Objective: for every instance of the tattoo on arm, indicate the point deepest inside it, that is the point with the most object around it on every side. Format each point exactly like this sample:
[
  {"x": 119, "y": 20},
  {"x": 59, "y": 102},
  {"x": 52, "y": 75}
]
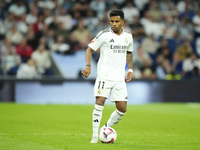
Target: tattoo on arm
[{"x": 129, "y": 60}]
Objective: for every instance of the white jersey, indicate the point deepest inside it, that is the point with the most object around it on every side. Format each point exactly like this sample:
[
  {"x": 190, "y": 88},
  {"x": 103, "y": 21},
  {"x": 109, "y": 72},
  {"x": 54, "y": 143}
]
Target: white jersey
[{"x": 113, "y": 50}]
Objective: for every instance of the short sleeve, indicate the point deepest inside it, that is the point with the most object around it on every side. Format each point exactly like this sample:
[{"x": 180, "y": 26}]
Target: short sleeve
[
  {"x": 96, "y": 42},
  {"x": 130, "y": 46}
]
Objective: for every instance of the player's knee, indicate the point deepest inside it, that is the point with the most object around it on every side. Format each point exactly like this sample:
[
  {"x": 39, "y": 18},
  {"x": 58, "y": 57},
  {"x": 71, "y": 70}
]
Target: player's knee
[
  {"x": 121, "y": 106},
  {"x": 100, "y": 101},
  {"x": 123, "y": 110}
]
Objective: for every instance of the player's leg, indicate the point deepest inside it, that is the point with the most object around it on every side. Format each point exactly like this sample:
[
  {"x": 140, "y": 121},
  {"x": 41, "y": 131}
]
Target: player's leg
[
  {"x": 119, "y": 96},
  {"x": 97, "y": 115},
  {"x": 117, "y": 115},
  {"x": 101, "y": 91}
]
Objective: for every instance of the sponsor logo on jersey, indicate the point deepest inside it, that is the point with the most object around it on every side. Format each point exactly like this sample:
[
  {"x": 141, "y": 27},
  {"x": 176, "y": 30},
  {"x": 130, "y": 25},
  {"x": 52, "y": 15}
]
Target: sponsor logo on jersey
[
  {"x": 118, "y": 47},
  {"x": 126, "y": 40},
  {"x": 93, "y": 40},
  {"x": 111, "y": 40}
]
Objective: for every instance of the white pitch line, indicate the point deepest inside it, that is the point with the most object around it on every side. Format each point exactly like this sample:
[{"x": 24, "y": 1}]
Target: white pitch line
[{"x": 42, "y": 134}]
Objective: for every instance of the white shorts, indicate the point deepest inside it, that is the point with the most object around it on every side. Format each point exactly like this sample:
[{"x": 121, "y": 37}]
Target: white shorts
[{"x": 116, "y": 90}]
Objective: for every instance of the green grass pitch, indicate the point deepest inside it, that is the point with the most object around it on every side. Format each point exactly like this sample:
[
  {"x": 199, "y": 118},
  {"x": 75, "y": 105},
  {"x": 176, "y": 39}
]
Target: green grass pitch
[{"x": 69, "y": 127}]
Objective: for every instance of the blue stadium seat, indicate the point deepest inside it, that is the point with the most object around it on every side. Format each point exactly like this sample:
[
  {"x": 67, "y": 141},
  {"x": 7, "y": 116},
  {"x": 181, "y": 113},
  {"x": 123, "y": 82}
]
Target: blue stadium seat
[{"x": 172, "y": 45}]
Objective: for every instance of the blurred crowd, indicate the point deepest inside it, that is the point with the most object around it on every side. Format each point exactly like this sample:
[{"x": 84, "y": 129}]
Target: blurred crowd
[{"x": 166, "y": 34}]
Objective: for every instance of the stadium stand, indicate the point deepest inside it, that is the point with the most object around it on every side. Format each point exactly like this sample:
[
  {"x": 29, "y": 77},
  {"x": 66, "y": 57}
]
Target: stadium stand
[{"x": 41, "y": 22}]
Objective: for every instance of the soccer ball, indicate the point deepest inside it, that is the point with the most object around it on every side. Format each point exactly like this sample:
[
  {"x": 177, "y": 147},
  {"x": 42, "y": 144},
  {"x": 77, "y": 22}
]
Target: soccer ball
[{"x": 107, "y": 135}]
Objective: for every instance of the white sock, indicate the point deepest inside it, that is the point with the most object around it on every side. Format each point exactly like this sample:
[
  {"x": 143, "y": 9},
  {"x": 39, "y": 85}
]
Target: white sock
[
  {"x": 115, "y": 117},
  {"x": 97, "y": 115}
]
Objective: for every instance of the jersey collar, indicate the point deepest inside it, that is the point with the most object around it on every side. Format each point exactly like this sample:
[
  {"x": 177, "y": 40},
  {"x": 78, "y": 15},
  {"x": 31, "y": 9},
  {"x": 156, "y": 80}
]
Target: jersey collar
[{"x": 114, "y": 32}]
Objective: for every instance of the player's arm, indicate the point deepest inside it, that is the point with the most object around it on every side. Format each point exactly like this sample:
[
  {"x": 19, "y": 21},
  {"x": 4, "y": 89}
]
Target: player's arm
[
  {"x": 88, "y": 55},
  {"x": 129, "y": 60}
]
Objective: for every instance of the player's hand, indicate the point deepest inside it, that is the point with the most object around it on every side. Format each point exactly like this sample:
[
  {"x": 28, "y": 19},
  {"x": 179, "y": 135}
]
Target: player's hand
[
  {"x": 129, "y": 77},
  {"x": 86, "y": 72}
]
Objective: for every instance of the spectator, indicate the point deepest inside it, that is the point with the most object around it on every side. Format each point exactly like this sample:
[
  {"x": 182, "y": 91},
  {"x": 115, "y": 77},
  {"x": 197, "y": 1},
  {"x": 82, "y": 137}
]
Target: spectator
[
  {"x": 138, "y": 31},
  {"x": 2, "y": 11},
  {"x": 22, "y": 27},
  {"x": 193, "y": 74},
  {"x": 166, "y": 5},
  {"x": 91, "y": 22},
  {"x": 27, "y": 70},
  {"x": 18, "y": 9},
  {"x": 24, "y": 50},
  {"x": 102, "y": 24},
  {"x": 46, "y": 13},
  {"x": 81, "y": 6},
  {"x": 181, "y": 5},
  {"x": 196, "y": 22},
  {"x": 50, "y": 38},
  {"x": 184, "y": 50},
  {"x": 52, "y": 22},
  {"x": 118, "y": 2},
  {"x": 146, "y": 19},
  {"x": 82, "y": 35},
  {"x": 153, "y": 27},
  {"x": 163, "y": 44},
  {"x": 66, "y": 19},
  {"x": 196, "y": 6},
  {"x": 191, "y": 62},
  {"x": 31, "y": 18},
  {"x": 130, "y": 12},
  {"x": 39, "y": 24},
  {"x": 43, "y": 41},
  {"x": 9, "y": 21},
  {"x": 155, "y": 12},
  {"x": 5, "y": 46},
  {"x": 164, "y": 50},
  {"x": 76, "y": 18},
  {"x": 62, "y": 31},
  {"x": 58, "y": 6},
  {"x": 147, "y": 73},
  {"x": 163, "y": 69},
  {"x": 176, "y": 64},
  {"x": 141, "y": 60},
  {"x": 42, "y": 59},
  {"x": 141, "y": 4},
  {"x": 46, "y": 4},
  {"x": 11, "y": 62},
  {"x": 100, "y": 9},
  {"x": 31, "y": 38},
  {"x": 14, "y": 36},
  {"x": 158, "y": 61},
  {"x": 185, "y": 30},
  {"x": 68, "y": 4},
  {"x": 60, "y": 46},
  {"x": 126, "y": 26},
  {"x": 187, "y": 13},
  {"x": 40, "y": 37},
  {"x": 74, "y": 45},
  {"x": 150, "y": 45},
  {"x": 170, "y": 28}
]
